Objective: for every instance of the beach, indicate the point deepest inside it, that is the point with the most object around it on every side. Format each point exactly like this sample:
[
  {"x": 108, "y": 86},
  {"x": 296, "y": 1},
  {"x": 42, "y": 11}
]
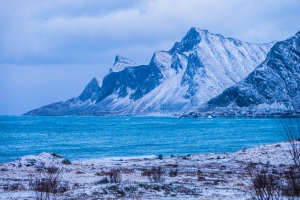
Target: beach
[{"x": 200, "y": 176}]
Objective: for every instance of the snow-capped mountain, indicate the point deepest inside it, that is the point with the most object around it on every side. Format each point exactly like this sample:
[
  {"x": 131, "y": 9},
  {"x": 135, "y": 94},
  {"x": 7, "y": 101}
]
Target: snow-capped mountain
[
  {"x": 272, "y": 89},
  {"x": 196, "y": 69}
]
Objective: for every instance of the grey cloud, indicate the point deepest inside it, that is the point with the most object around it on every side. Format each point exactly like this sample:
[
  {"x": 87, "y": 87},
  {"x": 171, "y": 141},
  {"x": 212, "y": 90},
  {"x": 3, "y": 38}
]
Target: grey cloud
[{"x": 90, "y": 33}]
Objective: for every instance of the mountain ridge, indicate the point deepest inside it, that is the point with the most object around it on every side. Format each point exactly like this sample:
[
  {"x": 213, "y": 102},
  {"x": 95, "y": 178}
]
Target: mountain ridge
[{"x": 194, "y": 70}]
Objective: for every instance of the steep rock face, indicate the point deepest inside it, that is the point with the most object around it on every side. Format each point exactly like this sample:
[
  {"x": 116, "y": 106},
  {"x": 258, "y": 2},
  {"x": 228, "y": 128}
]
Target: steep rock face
[
  {"x": 132, "y": 81},
  {"x": 91, "y": 91},
  {"x": 196, "y": 69},
  {"x": 273, "y": 88}
]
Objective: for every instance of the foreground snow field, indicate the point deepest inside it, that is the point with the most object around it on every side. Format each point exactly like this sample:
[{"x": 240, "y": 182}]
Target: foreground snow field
[{"x": 205, "y": 176}]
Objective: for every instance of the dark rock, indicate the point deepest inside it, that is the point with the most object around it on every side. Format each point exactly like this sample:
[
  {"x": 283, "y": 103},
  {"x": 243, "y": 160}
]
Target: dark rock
[
  {"x": 61, "y": 189},
  {"x": 40, "y": 165},
  {"x": 56, "y": 155},
  {"x": 184, "y": 158},
  {"x": 31, "y": 161},
  {"x": 104, "y": 180},
  {"x": 66, "y": 162}
]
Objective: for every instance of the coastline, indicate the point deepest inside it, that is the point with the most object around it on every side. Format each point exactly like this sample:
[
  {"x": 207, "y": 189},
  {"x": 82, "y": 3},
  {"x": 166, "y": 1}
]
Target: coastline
[{"x": 199, "y": 176}]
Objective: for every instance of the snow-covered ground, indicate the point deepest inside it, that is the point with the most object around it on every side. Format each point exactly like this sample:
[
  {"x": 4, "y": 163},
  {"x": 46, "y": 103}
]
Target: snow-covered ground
[{"x": 204, "y": 176}]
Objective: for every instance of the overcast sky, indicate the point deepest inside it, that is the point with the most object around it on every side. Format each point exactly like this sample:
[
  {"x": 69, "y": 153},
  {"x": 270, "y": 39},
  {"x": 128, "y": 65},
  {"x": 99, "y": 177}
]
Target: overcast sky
[{"x": 50, "y": 50}]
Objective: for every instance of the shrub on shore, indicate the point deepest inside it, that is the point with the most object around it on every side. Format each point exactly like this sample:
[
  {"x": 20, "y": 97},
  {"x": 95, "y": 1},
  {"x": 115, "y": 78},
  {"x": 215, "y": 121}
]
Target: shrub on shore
[
  {"x": 155, "y": 174},
  {"x": 46, "y": 182},
  {"x": 268, "y": 184},
  {"x": 115, "y": 175},
  {"x": 265, "y": 184}
]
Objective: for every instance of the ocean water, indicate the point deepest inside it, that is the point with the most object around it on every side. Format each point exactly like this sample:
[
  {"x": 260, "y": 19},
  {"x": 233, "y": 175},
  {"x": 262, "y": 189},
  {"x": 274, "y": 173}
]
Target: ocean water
[{"x": 82, "y": 138}]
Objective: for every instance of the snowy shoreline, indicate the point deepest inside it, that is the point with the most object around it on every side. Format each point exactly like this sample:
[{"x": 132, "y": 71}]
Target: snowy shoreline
[{"x": 201, "y": 176}]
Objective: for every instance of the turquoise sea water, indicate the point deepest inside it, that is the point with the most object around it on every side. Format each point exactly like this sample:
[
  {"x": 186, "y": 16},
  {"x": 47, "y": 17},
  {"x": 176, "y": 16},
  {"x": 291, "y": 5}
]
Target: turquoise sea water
[{"x": 80, "y": 138}]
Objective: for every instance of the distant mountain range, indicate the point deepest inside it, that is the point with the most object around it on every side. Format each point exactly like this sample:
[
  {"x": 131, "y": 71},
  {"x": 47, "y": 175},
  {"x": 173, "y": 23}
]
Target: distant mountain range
[{"x": 204, "y": 74}]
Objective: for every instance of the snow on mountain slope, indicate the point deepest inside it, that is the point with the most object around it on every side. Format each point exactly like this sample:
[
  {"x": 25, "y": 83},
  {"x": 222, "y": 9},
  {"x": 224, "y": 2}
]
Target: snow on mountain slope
[
  {"x": 272, "y": 89},
  {"x": 121, "y": 63},
  {"x": 196, "y": 69},
  {"x": 217, "y": 63}
]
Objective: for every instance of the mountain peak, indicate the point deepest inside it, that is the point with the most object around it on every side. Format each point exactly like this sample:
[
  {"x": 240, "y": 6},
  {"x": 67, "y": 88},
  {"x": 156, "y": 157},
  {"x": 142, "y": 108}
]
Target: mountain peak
[
  {"x": 199, "y": 30},
  {"x": 121, "y": 63},
  {"x": 91, "y": 90},
  {"x": 193, "y": 38},
  {"x": 97, "y": 81},
  {"x": 121, "y": 59},
  {"x": 188, "y": 42}
]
